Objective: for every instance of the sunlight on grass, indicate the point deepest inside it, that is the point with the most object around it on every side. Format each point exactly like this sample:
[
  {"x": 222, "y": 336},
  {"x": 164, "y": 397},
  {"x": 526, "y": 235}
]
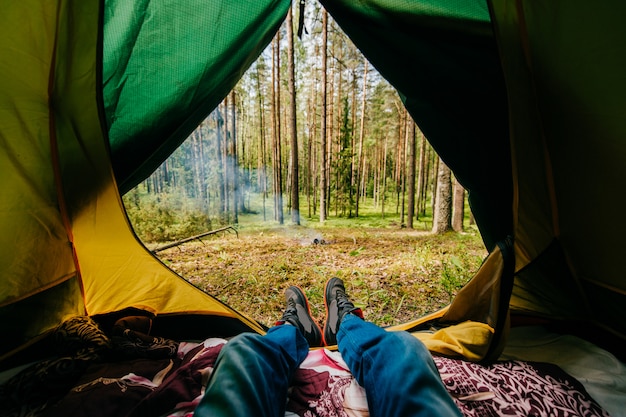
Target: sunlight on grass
[{"x": 393, "y": 273}]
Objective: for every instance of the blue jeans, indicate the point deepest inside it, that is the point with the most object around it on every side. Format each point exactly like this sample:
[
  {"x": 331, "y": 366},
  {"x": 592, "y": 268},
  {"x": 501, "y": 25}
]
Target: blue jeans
[
  {"x": 253, "y": 372},
  {"x": 397, "y": 371}
]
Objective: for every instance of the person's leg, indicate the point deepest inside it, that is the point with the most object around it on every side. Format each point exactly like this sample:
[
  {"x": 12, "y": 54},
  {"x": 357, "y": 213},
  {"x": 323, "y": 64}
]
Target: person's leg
[
  {"x": 252, "y": 374},
  {"x": 397, "y": 371},
  {"x": 399, "y": 375}
]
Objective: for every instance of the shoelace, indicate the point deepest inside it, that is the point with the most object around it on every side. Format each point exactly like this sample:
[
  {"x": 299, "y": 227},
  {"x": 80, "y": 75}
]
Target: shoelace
[
  {"x": 343, "y": 301},
  {"x": 291, "y": 309}
]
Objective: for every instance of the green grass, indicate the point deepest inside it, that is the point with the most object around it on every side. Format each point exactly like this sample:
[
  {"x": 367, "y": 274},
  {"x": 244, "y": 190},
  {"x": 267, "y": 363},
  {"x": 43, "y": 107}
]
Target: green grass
[{"x": 393, "y": 273}]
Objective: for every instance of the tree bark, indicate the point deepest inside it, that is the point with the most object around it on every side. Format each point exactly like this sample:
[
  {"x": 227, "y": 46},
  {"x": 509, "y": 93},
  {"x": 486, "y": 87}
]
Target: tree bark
[
  {"x": 295, "y": 182},
  {"x": 459, "y": 207},
  {"x": 234, "y": 168},
  {"x": 276, "y": 140},
  {"x": 312, "y": 135},
  {"x": 261, "y": 159},
  {"x": 411, "y": 197},
  {"x": 220, "y": 163},
  {"x": 384, "y": 180},
  {"x": 226, "y": 159},
  {"x": 430, "y": 178},
  {"x": 442, "y": 219},
  {"x": 422, "y": 178},
  {"x": 323, "y": 171}
]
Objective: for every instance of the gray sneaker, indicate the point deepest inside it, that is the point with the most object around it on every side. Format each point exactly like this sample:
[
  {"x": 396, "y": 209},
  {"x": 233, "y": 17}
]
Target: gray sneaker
[
  {"x": 298, "y": 313},
  {"x": 337, "y": 306}
]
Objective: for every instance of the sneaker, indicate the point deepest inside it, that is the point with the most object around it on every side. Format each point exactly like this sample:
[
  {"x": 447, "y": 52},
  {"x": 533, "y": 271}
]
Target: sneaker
[
  {"x": 298, "y": 314},
  {"x": 337, "y": 306}
]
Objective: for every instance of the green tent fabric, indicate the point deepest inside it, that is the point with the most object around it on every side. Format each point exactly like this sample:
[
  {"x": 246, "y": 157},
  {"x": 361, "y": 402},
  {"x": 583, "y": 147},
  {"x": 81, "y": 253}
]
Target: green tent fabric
[
  {"x": 523, "y": 101},
  {"x": 444, "y": 63},
  {"x": 564, "y": 67},
  {"x": 167, "y": 65}
]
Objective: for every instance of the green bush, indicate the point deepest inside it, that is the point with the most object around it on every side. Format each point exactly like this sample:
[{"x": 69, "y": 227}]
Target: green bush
[{"x": 165, "y": 219}]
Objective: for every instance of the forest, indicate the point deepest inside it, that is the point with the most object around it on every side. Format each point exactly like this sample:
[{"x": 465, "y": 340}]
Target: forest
[{"x": 311, "y": 131}]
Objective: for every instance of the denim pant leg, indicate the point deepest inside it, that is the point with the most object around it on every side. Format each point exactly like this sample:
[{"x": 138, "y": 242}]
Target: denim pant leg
[
  {"x": 397, "y": 371},
  {"x": 252, "y": 374}
]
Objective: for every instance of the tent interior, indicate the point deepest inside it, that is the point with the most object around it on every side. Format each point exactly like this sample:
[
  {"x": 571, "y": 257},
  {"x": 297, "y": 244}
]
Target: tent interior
[{"x": 523, "y": 100}]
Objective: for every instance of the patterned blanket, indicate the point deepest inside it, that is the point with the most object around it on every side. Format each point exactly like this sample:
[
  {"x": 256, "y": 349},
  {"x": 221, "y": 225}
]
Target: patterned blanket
[
  {"x": 511, "y": 388},
  {"x": 171, "y": 385}
]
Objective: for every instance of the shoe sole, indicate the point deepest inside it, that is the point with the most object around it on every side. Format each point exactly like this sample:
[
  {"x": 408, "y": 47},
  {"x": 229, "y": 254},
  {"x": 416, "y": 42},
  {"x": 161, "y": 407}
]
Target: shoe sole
[
  {"x": 327, "y": 312},
  {"x": 308, "y": 311}
]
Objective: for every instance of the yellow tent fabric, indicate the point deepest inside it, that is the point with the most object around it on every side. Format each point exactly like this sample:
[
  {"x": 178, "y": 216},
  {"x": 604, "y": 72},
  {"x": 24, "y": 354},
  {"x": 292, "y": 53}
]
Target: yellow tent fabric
[
  {"x": 39, "y": 272},
  {"x": 464, "y": 340},
  {"x": 67, "y": 245}
]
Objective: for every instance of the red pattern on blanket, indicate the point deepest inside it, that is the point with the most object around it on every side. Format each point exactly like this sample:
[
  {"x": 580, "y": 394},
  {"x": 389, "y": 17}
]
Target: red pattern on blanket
[
  {"x": 515, "y": 388},
  {"x": 322, "y": 387}
]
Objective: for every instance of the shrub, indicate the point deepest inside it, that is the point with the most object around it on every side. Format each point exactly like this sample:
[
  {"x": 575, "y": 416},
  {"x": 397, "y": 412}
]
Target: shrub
[{"x": 163, "y": 219}]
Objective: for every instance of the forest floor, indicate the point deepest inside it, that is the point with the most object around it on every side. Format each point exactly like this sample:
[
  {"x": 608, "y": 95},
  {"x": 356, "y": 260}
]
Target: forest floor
[{"x": 394, "y": 274}]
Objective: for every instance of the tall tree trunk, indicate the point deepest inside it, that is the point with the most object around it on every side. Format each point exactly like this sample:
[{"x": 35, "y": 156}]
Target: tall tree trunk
[
  {"x": 338, "y": 125},
  {"x": 234, "y": 168},
  {"x": 243, "y": 155},
  {"x": 312, "y": 134},
  {"x": 203, "y": 169},
  {"x": 220, "y": 163},
  {"x": 364, "y": 177},
  {"x": 458, "y": 206},
  {"x": 442, "y": 219},
  {"x": 400, "y": 160},
  {"x": 274, "y": 134},
  {"x": 377, "y": 167},
  {"x": 421, "y": 178},
  {"x": 166, "y": 178},
  {"x": 360, "y": 164},
  {"x": 411, "y": 198},
  {"x": 243, "y": 166},
  {"x": 277, "y": 163},
  {"x": 261, "y": 159},
  {"x": 403, "y": 172},
  {"x": 196, "y": 162},
  {"x": 330, "y": 131},
  {"x": 295, "y": 182},
  {"x": 397, "y": 161},
  {"x": 226, "y": 160},
  {"x": 323, "y": 171},
  {"x": 384, "y": 180},
  {"x": 435, "y": 183},
  {"x": 309, "y": 174},
  {"x": 353, "y": 161}
]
